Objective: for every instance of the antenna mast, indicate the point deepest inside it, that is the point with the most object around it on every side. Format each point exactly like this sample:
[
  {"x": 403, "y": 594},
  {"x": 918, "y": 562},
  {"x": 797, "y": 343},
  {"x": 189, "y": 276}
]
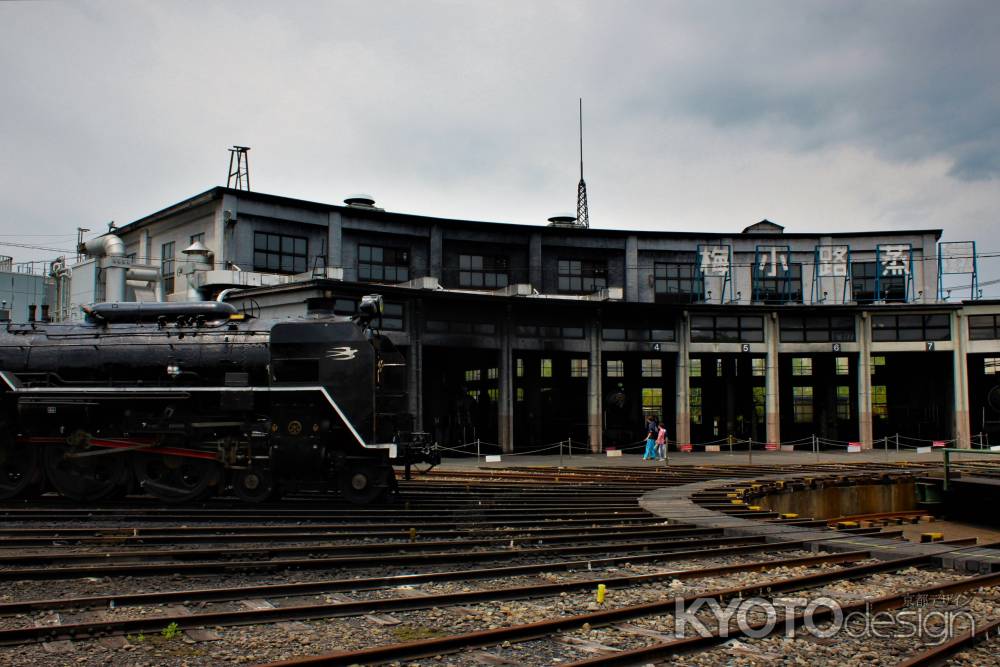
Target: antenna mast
[
  {"x": 239, "y": 177},
  {"x": 582, "y": 214}
]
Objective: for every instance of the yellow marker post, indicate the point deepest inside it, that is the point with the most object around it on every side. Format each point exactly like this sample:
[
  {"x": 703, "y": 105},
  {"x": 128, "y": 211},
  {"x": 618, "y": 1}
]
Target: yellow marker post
[
  {"x": 601, "y": 590},
  {"x": 413, "y": 534}
]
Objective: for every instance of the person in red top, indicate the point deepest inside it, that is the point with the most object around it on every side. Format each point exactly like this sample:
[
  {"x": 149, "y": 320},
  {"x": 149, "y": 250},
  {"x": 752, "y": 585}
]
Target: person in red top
[{"x": 661, "y": 443}]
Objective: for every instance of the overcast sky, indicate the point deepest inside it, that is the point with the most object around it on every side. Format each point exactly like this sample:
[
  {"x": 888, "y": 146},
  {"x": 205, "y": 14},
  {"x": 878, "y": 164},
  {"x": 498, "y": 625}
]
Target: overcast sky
[{"x": 697, "y": 115}]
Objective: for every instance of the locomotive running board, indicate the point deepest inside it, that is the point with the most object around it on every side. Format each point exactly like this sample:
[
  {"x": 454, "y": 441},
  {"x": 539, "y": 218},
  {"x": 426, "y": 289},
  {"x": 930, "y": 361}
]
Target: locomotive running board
[{"x": 17, "y": 387}]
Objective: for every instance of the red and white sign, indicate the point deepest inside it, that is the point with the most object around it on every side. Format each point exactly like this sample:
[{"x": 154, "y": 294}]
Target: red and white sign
[
  {"x": 771, "y": 446},
  {"x": 938, "y": 443},
  {"x": 854, "y": 447},
  {"x": 685, "y": 448}
]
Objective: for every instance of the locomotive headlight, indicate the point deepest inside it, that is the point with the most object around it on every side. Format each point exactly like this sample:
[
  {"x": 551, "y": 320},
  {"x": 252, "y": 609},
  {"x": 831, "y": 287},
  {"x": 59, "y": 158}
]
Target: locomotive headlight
[{"x": 371, "y": 306}]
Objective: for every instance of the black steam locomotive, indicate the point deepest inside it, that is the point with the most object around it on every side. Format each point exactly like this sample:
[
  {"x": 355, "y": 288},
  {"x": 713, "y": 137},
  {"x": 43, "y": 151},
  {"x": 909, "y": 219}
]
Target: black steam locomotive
[{"x": 182, "y": 400}]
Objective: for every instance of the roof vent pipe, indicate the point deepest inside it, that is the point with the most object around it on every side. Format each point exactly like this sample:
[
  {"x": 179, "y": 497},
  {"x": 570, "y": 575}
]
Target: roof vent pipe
[
  {"x": 110, "y": 246},
  {"x": 360, "y": 199}
]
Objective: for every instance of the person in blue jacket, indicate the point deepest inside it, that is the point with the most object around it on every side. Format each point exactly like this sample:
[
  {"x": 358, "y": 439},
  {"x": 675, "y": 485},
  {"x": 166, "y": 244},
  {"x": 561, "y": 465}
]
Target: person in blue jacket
[{"x": 652, "y": 428}]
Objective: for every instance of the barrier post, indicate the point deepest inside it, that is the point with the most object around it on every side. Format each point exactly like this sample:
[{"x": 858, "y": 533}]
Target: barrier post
[
  {"x": 570, "y": 443},
  {"x": 815, "y": 444},
  {"x": 897, "y": 443},
  {"x": 477, "y": 452},
  {"x": 560, "y": 454},
  {"x": 749, "y": 451},
  {"x": 729, "y": 438}
]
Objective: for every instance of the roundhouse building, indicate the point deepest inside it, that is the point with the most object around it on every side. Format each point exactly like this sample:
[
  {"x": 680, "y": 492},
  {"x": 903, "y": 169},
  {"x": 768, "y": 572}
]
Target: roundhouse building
[{"x": 522, "y": 336}]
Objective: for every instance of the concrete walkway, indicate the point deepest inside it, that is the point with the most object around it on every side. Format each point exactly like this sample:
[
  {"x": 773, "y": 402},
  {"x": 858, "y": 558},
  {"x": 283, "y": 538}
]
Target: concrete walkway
[{"x": 706, "y": 458}]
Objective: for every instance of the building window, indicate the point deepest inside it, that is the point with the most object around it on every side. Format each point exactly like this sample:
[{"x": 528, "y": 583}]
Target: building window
[
  {"x": 582, "y": 276},
  {"x": 843, "y": 402},
  {"x": 817, "y": 328},
  {"x": 758, "y": 367},
  {"x": 718, "y": 368},
  {"x": 727, "y": 328},
  {"x": 802, "y": 404},
  {"x": 991, "y": 366},
  {"x": 579, "y": 368},
  {"x": 492, "y": 373},
  {"x": 843, "y": 365},
  {"x": 472, "y": 375},
  {"x": 520, "y": 368},
  {"x": 652, "y": 368},
  {"x": 910, "y": 327},
  {"x": 167, "y": 267},
  {"x": 548, "y": 331},
  {"x": 520, "y": 394},
  {"x": 652, "y": 401},
  {"x": 546, "y": 368},
  {"x": 802, "y": 366},
  {"x": 785, "y": 287},
  {"x": 863, "y": 284},
  {"x": 876, "y": 361},
  {"x": 984, "y": 327},
  {"x": 473, "y": 394},
  {"x": 759, "y": 402},
  {"x": 616, "y": 368},
  {"x": 675, "y": 283},
  {"x": 384, "y": 265},
  {"x": 460, "y": 327},
  {"x": 198, "y": 238},
  {"x": 482, "y": 271},
  {"x": 694, "y": 368},
  {"x": 493, "y": 394},
  {"x": 694, "y": 404},
  {"x": 279, "y": 253},
  {"x": 880, "y": 402}
]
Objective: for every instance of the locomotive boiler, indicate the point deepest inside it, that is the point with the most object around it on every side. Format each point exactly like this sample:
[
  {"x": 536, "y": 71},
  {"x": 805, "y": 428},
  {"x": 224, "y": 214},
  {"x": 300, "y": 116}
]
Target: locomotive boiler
[{"x": 182, "y": 400}]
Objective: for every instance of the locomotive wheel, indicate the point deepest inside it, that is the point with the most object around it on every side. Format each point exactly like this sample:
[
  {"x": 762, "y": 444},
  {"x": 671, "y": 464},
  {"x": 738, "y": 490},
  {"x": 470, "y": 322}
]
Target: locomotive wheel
[
  {"x": 176, "y": 479},
  {"x": 18, "y": 467},
  {"x": 254, "y": 486},
  {"x": 361, "y": 483},
  {"x": 85, "y": 479}
]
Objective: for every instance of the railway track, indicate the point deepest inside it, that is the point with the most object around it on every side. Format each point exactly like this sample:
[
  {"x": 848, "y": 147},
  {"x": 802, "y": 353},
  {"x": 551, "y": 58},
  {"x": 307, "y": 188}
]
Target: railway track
[{"x": 476, "y": 568}]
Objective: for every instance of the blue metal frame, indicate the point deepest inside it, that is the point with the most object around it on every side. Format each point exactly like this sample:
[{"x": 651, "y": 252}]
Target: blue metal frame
[
  {"x": 726, "y": 277},
  {"x": 816, "y": 274},
  {"x": 974, "y": 285},
  {"x": 907, "y": 273},
  {"x": 782, "y": 274}
]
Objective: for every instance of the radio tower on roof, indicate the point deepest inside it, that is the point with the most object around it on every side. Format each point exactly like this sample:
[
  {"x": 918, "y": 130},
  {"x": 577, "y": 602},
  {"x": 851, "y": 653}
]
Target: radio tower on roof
[
  {"x": 239, "y": 168},
  {"x": 582, "y": 215}
]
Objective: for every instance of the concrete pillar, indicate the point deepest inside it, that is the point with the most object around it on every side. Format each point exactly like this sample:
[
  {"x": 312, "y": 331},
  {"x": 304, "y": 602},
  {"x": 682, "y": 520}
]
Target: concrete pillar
[
  {"x": 335, "y": 239},
  {"x": 505, "y": 384},
  {"x": 632, "y": 268},
  {"x": 682, "y": 404},
  {"x": 535, "y": 261},
  {"x": 960, "y": 373},
  {"x": 435, "y": 266},
  {"x": 772, "y": 403},
  {"x": 865, "y": 433},
  {"x": 223, "y": 230},
  {"x": 595, "y": 398},
  {"x": 415, "y": 365}
]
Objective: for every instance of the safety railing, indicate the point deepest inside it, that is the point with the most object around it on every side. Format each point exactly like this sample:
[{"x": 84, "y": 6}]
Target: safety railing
[{"x": 948, "y": 451}]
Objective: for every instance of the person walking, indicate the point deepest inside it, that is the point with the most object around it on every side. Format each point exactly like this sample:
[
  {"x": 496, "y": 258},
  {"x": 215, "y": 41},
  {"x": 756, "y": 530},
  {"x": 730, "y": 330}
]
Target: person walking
[
  {"x": 661, "y": 443},
  {"x": 651, "y": 428}
]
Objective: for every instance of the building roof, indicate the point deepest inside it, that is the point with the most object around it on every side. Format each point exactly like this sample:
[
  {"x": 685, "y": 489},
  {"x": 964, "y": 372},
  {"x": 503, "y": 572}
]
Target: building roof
[{"x": 764, "y": 228}]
